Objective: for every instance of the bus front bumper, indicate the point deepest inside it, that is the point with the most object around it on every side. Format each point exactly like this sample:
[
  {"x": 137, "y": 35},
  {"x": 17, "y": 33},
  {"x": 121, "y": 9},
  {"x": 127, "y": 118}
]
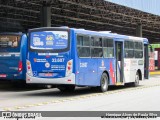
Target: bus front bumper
[{"x": 57, "y": 81}]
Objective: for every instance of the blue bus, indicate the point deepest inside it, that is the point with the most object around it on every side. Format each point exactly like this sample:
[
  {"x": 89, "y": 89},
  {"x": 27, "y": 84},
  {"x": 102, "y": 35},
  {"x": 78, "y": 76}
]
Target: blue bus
[
  {"x": 13, "y": 50},
  {"x": 69, "y": 57}
]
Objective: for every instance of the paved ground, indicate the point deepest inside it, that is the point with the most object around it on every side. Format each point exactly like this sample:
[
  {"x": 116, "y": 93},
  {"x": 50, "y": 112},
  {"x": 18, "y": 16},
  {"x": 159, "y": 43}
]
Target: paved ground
[
  {"x": 156, "y": 72},
  {"x": 146, "y": 97}
]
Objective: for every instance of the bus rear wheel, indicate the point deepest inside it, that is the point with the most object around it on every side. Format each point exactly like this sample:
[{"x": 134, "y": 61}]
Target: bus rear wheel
[
  {"x": 103, "y": 83},
  {"x": 66, "y": 88},
  {"x": 136, "y": 83}
]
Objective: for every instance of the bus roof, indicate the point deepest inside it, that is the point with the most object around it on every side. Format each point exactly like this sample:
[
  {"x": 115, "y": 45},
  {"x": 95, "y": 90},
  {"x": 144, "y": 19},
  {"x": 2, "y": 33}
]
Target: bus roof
[
  {"x": 109, "y": 34},
  {"x": 98, "y": 33}
]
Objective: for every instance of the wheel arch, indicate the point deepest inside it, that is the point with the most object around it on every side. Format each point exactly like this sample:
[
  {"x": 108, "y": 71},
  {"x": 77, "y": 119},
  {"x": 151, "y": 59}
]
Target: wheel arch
[
  {"x": 107, "y": 75},
  {"x": 140, "y": 74}
]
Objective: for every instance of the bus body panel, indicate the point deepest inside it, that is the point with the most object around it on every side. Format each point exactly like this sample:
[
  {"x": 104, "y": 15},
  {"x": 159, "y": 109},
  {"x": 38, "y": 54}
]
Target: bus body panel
[
  {"x": 23, "y": 55},
  {"x": 9, "y": 65},
  {"x": 45, "y": 63},
  {"x": 134, "y": 65},
  {"x": 90, "y": 71},
  {"x": 85, "y": 71},
  {"x": 11, "y": 59},
  {"x": 87, "y": 68},
  {"x": 131, "y": 67},
  {"x": 50, "y": 67},
  {"x": 69, "y": 80}
]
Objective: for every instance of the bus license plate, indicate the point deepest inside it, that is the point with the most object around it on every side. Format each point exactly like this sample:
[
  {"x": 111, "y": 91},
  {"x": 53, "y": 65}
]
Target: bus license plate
[
  {"x": 49, "y": 74},
  {"x": 3, "y": 75}
]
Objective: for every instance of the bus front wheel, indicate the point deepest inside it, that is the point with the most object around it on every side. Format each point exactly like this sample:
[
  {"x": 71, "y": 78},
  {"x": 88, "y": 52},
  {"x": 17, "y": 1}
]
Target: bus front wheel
[
  {"x": 136, "y": 83},
  {"x": 103, "y": 83}
]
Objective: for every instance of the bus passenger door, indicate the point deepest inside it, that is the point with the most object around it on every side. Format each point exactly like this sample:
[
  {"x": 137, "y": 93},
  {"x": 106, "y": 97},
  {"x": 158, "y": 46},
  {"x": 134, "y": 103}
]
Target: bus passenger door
[{"x": 119, "y": 62}]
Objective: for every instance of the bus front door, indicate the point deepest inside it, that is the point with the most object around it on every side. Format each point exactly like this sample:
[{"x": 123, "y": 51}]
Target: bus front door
[{"x": 119, "y": 62}]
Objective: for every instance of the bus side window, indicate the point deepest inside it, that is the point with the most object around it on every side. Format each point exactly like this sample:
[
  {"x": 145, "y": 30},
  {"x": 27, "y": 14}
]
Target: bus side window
[
  {"x": 83, "y": 46},
  {"x": 129, "y": 49},
  {"x": 96, "y": 47},
  {"x": 108, "y": 47},
  {"x": 96, "y": 52},
  {"x": 84, "y": 51},
  {"x": 138, "y": 49},
  {"x": 92, "y": 41},
  {"x": 79, "y": 40}
]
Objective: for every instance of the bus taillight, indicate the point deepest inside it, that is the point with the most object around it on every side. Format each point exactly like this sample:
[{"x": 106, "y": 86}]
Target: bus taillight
[
  {"x": 69, "y": 68},
  {"x": 29, "y": 69},
  {"x": 20, "y": 66}
]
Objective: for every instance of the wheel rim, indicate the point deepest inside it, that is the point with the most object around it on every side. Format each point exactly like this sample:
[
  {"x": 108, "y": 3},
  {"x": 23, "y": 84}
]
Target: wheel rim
[
  {"x": 104, "y": 83},
  {"x": 137, "y": 79}
]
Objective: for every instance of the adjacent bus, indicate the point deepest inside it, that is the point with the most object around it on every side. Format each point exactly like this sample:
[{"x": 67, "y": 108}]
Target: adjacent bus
[
  {"x": 13, "y": 48},
  {"x": 69, "y": 57}
]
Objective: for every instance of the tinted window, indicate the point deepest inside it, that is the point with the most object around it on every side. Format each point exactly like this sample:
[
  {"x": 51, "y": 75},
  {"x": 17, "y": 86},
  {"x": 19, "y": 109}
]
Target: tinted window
[
  {"x": 84, "y": 51},
  {"x": 97, "y": 52},
  {"x": 11, "y": 41},
  {"x": 138, "y": 45},
  {"x": 129, "y": 45},
  {"x": 108, "y": 47},
  {"x": 138, "y": 51},
  {"x": 83, "y": 40},
  {"x": 96, "y": 47},
  {"x": 96, "y": 41},
  {"x": 83, "y": 46},
  {"x": 138, "y": 54},
  {"x": 129, "y": 49},
  {"x": 133, "y": 49},
  {"x": 129, "y": 53}
]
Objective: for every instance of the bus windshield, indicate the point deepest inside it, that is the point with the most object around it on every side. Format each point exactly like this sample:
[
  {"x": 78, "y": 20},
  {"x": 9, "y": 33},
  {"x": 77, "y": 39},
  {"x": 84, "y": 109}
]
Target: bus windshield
[
  {"x": 9, "y": 42},
  {"x": 49, "y": 40}
]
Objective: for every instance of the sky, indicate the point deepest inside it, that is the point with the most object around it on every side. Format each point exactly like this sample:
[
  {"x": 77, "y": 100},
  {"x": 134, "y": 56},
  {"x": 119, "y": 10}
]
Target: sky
[{"x": 150, "y": 6}]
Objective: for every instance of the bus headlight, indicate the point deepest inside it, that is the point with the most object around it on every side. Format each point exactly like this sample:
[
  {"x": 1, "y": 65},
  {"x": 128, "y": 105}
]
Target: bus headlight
[
  {"x": 69, "y": 67},
  {"x": 29, "y": 68}
]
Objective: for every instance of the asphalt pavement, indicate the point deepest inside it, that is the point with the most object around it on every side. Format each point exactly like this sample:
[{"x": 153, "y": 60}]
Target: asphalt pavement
[{"x": 145, "y": 97}]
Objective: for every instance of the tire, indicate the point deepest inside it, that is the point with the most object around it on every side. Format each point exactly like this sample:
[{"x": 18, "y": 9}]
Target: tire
[
  {"x": 136, "y": 83},
  {"x": 66, "y": 88},
  {"x": 103, "y": 83}
]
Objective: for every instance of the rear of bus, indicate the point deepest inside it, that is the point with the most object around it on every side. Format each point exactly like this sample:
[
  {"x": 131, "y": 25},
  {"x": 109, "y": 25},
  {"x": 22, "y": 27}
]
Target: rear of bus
[
  {"x": 49, "y": 57},
  {"x": 11, "y": 63}
]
